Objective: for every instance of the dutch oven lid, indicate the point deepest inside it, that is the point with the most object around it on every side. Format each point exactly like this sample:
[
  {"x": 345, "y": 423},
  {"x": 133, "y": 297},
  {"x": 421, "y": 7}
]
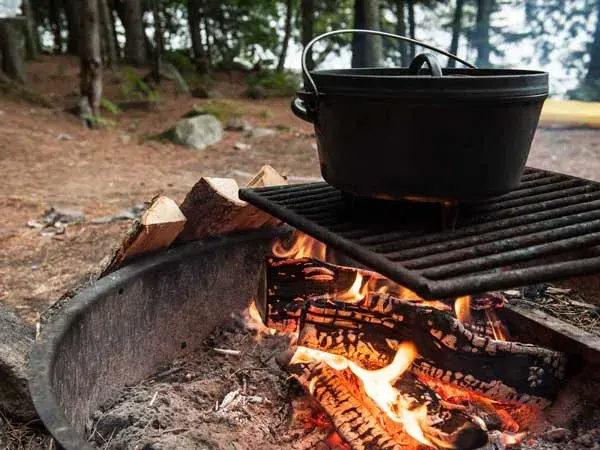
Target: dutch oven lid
[{"x": 416, "y": 81}]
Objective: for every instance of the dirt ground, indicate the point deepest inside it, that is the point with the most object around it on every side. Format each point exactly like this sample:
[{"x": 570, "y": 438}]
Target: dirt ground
[{"x": 48, "y": 159}]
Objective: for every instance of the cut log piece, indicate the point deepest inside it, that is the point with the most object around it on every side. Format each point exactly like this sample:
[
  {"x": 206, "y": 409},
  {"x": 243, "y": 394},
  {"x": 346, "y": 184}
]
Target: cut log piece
[
  {"x": 156, "y": 230},
  {"x": 369, "y": 332},
  {"x": 443, "y": 425},
  {"x": 213, "y": 208},
  {"x": 267, "y": 176}
]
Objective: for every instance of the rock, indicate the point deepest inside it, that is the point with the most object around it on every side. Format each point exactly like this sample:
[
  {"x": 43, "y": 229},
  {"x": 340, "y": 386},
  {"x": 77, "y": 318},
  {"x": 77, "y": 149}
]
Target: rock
[
  {"x": 215, "y": 94},
  {"x": 64, "y": 137},
  {"x": 170, "y": 72},
  {"x": 200, "y": 92},
  {"x": 262, "y": 132},
  {"x": 256, "y": 92},
  {"x": 242, "y": 146},
  {"x": 198, "y": 132},
  {"x": 125, "y": 138},
  {"x": 556, "y": 435},
  {"x": 16, "y": 339},
  {"x": 237, "y": 124}
]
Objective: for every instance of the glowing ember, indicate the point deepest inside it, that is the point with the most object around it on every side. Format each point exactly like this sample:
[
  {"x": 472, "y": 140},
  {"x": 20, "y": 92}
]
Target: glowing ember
[{"x": 462, "y": 308}]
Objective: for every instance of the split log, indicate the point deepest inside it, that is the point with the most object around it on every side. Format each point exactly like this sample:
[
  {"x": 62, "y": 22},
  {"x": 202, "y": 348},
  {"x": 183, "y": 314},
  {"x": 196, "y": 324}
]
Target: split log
[
  {"x": 213, "y": 208},
  {"x": 370, "y": 331},
  {"x": 156, "y": 230},
  {"x": 362, "y": 424}
]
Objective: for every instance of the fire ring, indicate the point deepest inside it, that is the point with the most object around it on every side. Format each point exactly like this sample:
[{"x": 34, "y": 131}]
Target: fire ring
[{"x": 129, "y": 323}]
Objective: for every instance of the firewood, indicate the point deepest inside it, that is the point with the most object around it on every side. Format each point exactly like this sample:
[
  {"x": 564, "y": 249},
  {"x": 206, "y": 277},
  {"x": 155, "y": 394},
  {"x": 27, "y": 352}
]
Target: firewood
[
  {"x": 341, "y": 395},
  {"x": 213, "y": 208},
  {"x": 156, "y": 230},
  {"x": 369, "y": 332},
  {"x": 303, "y": 295}
]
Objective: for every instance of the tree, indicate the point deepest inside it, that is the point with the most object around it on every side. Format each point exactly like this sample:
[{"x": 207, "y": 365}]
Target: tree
[
  {"x": 481, "y": 35},
  {"x": 73, "y": 13},
  {"x": 108, "y": 37},
  {"x": 592, "y": 78},
  {"x": 286, "y": 35},
  {"x": 194, "y": 24},
  {"x": 55, "y": 24},
  {"x": 308, "y": 20},
  {"x": 404, "y": 59},
  {"x": 11, "y": 57},
  {"x": 456, "y": 30},
  {"x": 411, "y": 27},
  {"x": 159, "y": 44},
  {"x": 31, "y": 36},
  {"x": 91, "y": 61},
  {"x": 366, "y": 49},
  {"x": 135, "y": 43}
]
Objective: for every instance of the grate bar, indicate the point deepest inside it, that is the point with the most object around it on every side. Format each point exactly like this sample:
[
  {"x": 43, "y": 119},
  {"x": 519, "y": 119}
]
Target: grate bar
[{"x": 548, "y": 215}]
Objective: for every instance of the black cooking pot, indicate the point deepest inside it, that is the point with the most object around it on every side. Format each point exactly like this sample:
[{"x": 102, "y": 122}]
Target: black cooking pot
[{"x": 422, "y": 133}]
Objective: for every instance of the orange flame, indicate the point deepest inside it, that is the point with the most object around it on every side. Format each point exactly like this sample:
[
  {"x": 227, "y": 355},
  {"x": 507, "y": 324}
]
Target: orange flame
[
  {"x": 303, "y": 246},
  {"x": 254, "y": 321},
  {"x": 379, "y": 385},
  {"x": 357, "y": 291},
  {"x": 462, "y": 308}
]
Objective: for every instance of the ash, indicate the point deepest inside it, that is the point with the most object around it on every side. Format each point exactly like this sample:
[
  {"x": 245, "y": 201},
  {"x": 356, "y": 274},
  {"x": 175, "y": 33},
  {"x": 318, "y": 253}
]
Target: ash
[{"x": 215, "y": 399}]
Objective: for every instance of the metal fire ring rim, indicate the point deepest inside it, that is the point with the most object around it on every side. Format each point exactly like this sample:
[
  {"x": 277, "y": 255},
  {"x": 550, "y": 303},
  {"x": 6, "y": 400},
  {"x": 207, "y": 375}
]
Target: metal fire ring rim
[{"x": 43, "y": 351}]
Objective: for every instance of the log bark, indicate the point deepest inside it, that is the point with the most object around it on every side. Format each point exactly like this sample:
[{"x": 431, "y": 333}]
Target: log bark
[
  {"x": 300, "y": 295},
  {"x": 341, "y": 394},
  {"x": 156, "y": 230},
  {"x": 213, "y": 208}
]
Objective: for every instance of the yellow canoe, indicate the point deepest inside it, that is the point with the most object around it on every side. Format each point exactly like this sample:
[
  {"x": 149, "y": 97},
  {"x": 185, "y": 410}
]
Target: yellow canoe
[{"x": 570, "y": 112}]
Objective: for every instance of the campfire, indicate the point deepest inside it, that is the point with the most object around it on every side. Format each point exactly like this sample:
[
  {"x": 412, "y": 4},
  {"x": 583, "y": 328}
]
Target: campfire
[{"x": 395, "y": 371}]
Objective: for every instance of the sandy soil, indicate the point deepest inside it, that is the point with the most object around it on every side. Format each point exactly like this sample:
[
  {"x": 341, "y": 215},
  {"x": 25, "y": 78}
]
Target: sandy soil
[{"x": 48, "y": 159}]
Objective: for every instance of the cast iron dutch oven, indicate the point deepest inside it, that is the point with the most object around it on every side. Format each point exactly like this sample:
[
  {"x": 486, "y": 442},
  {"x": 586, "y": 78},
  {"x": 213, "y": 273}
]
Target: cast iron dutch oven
[{"x": 422, "y": 132}]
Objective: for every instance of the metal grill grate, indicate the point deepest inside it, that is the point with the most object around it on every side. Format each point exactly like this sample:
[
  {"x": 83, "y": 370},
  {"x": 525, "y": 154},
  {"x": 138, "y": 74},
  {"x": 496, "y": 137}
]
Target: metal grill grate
[{"x": 505, "y": 242}]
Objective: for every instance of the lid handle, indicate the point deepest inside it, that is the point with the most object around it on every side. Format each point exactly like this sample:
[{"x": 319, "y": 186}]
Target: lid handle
[{"x": 430, "y": 60}]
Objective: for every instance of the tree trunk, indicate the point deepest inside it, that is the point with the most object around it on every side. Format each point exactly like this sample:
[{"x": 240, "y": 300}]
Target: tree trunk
[
  {"x": 593, "y": 74},
  {"x": 208, "y": 34},
  {"x": 13, "y": 64},
  {"x": 456, "y": 30},
  {"x": 91, "y": 58},
  {"x": 358, "y": 40},
  {"x": 72, "y": 11},
  {"x": 404, "y": 59},
  {"x": 481, "y": 37},
  {"x": 135, "y": 45},
  {"x": 411, "y": 27},
  {"x": 159, "y": 44},
  {"x": 31, "y": 35},
  {"x": 194, "y": 24},
  {"x": 55, "y": 23},
  {"x": 373, "y": 44},
  {"x": 286, "y": 35},
  {"x": 107, "y": 33},
  {"x": 308, "y": 18}
]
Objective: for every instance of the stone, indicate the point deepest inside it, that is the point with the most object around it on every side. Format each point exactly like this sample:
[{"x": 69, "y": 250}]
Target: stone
[
  {"x": 16, "y": 339},
  {"x": 262, "y": 132},
  {"x": 256, "y": 93},
  {"x": 242, "y": 146},
  {"x": 198, "y": 132},
  {"x": 237, "y": 124}
]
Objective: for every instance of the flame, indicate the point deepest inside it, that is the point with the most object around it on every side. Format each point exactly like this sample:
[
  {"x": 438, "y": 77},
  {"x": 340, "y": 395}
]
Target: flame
[
  {"x": 379, "y": 385},
  {"x": 496, "y": 330},
  {"x": 254, "y": 321},
  {"x": 462, "y": 308},
  {"x": 357, "y": 291},
  {"x": 303, "y": 246}
]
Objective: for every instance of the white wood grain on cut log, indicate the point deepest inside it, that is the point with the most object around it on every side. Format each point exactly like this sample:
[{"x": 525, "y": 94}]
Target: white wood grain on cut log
[
  {"x": 156, "y": 230},
  {"x": 213, "y": 208}
]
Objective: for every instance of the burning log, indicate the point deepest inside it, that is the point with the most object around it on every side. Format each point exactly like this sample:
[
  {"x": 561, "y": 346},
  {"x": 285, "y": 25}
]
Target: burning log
[
  {"x": 426, "y": 417},
  {"x": 307, "y": 295},
  {"x": 370, "y": 331}
]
